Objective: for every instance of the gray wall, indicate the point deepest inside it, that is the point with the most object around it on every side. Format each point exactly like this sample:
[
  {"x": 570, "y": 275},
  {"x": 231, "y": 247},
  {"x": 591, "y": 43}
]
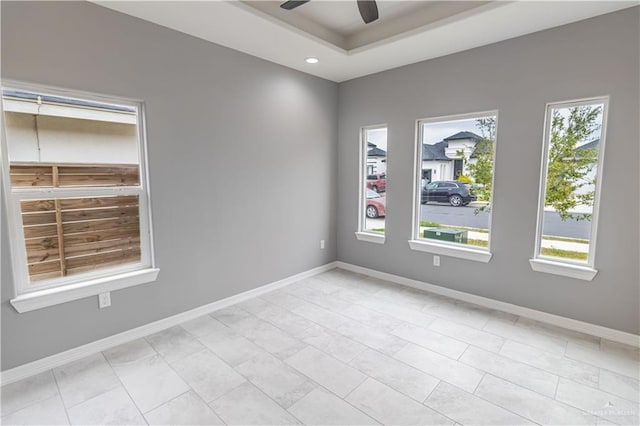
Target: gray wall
[
  {"x": 245, "y": 156},
  {"x": 242, "y": 157},
  {"x": 518, "y": 77}
]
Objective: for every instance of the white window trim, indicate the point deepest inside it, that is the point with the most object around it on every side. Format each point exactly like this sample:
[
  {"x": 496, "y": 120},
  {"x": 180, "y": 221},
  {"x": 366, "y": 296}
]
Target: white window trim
[
  {"x": 452, "y": 250},
  {"x": 554, "y": 265},
  {"x": 361, "y": 233},
  {"x": 417, "y": 243},
  {"x": 54, "y": 296},
  {"x": 564, "y": 269},
  {"x": 370, "y": 237},
  {"x": 34, "y": 296}
]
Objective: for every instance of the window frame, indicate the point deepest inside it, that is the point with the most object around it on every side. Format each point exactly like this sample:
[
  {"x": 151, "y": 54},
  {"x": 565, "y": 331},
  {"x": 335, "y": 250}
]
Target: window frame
[
  {"x": 417, "y": 243},
  {"x": 361, "y": 233},
  {"x": 554, "y": 265},
  {"x": 28, "y": 296}
]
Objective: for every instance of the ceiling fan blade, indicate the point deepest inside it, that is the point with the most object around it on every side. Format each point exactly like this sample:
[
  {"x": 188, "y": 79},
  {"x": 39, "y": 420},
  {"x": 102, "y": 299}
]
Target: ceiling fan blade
[
  {"x": 368, "y": 10},
  {"x": 292, "y": 4}
]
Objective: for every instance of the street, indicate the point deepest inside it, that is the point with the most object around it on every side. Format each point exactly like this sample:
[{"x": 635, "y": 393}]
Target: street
[{"x": 464, "y": 216}]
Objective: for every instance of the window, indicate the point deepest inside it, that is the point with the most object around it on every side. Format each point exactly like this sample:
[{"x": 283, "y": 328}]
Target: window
[
  {"x": 454, "y": 183},
  {"x": 372, "y": 184},
  {"x": 569, "y": 187},
  {"x": 75, "y": 176}
]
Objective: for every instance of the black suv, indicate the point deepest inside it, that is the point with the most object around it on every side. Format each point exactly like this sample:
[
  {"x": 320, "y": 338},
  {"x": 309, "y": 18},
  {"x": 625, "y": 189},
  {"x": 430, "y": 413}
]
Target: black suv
[{"x": 448, "y": 191}]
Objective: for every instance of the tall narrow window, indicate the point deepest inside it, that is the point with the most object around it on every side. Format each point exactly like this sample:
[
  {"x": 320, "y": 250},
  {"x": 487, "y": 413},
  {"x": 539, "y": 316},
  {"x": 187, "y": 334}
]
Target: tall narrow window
[
  {"x": 78, "y": 198},
  {"x": 372, "y": 184},
  {"x": 569, "y": 187},
  {"x": 454, "y": 185}
]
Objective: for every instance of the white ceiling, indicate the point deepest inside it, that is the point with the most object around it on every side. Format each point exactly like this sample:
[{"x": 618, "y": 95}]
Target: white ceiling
[{"x": 407, "y": 31}]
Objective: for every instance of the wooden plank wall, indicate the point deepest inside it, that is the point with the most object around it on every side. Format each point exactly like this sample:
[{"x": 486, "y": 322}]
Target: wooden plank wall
[{"x": 66, "y": 236}]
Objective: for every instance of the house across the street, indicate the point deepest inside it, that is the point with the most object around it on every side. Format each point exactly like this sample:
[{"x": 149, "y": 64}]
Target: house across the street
[
  {"x": 445, "y": 160},
  {"x": 376, "y": 159}
]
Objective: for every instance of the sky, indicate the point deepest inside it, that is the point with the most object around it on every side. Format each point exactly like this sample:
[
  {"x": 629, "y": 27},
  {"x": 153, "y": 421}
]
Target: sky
[
  {"x": 378, "y": 137},
  {"x": 436, "y": 132},
  {"x": 433, "y": 132}
]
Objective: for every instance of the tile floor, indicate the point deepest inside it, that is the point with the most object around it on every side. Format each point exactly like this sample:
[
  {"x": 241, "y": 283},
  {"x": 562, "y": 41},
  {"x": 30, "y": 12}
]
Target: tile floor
[{"x": 341, "y": 348}]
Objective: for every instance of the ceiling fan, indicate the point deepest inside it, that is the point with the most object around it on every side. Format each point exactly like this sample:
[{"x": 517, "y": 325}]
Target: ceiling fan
[{"x": 368, "y": 8}]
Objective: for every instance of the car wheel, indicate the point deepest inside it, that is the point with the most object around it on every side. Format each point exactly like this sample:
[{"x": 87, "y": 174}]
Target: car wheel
[
  {"x": 455, "y": 200},
  {"x": 372, "y": 212},
  {"x": 374, "y": 188}
]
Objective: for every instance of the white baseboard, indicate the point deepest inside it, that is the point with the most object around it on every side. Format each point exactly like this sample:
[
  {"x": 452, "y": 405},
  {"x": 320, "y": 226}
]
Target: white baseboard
[
  {"x": 568, "y": 323},
  {"x": 62, "y": 358}
]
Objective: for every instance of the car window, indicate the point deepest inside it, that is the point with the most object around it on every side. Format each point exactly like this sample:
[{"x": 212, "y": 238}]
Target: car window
[
  {"x": 372, "y": 194},
  {"x": 432, "y": 185}
]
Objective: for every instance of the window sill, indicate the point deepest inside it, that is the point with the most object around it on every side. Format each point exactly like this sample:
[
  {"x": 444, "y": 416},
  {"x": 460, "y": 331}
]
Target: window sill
[
  {"x": 370, "y": 238},
  {"x": 585, "y": 273},
  {"x": 483, "y": 256},
  {"x": 54, "y": 296}
]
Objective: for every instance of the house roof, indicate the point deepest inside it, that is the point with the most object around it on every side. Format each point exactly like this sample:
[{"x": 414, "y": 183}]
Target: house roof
[
  {"x": 376, "y": 152},
  {"x": 371, "y": 144},
  {"x": 593, "y": 144},
  {"x": 434, "y": 152},
  {"x": 462, "y": 135}
]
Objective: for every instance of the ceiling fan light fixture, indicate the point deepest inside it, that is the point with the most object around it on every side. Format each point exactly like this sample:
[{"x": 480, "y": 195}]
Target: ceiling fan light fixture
[{"x": 311, "y": 60}]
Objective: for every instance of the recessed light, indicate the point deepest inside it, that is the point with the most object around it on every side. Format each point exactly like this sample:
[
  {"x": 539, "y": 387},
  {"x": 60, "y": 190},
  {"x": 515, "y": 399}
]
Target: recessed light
[{"x": 311, "y": 60}]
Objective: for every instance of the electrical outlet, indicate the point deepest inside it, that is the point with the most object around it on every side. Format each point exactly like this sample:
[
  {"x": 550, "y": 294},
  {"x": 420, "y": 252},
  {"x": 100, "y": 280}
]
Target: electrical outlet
[
  {"x": 436, "y": 260},
  {"x": 104, "y": 300},
  {"x": 322, "y": 244}
]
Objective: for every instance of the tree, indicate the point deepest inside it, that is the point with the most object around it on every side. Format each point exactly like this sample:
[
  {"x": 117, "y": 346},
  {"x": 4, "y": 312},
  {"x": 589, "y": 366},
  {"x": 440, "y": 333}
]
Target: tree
[
  {"x": 569, "y": 163},
  {"x": 481, "y": 171}
]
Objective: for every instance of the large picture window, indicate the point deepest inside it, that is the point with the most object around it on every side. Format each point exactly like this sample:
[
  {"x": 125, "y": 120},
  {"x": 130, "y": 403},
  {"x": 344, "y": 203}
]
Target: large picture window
[
  {"x": 75, "y": 177},
  {"x": 569, "y": 187},
  {"x": 372, "y": 184},
  {"x": 454, "y": 185}
]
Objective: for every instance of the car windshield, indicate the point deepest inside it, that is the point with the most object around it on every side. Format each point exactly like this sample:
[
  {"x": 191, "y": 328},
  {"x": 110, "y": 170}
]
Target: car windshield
[{"x": 372, "y": 194}]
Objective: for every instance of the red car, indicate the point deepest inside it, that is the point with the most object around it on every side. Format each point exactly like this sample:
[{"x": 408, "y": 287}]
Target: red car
[
  {"x": 375, "y": 205},
  {"x": 377, "y": 182}
]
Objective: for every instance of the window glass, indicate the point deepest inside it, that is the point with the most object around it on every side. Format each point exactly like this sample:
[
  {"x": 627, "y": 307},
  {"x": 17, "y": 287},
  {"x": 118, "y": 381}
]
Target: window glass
[
  {"x": 374, "y": 164},
  {"x": 572, "y": 152},
  {"x": 76, "y": 188},
  {"x": 455, "y": 166}
]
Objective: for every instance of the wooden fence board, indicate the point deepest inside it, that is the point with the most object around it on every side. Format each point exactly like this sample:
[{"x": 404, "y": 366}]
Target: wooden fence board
[
  {"x": 42, "y": 243},
  {"x": 42, "y": 218},
  {"x": 40, "y": 231},
  {"x": 92, "y": 214},
  {"x": 101, "y": 246},
  {"x": 98, "y": 225},
  {"x": 95, "y": 260},
  {"x": 43, "y": 267},
  {"x": 128, "y": 231},
  {"x": 87, "y": 203},
  {"x": 37, "y": 206},
  {"x": 42, "y": 255}
]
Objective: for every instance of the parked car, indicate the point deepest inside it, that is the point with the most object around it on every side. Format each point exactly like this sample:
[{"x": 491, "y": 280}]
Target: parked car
[
  {"x": 377, "y": 182},
  {"x": 375, "y": 204},
  {"x": 448, "y": 191}
]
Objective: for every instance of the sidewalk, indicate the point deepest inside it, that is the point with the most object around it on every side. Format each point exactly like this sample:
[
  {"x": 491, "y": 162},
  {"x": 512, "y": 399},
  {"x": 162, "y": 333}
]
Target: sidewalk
[{"x": 561, "y": 245}]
